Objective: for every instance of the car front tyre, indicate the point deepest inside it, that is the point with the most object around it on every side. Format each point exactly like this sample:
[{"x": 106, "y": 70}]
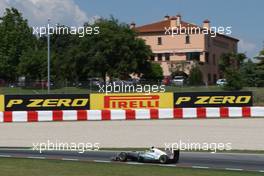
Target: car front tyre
[{"x": 140, "y": 159}]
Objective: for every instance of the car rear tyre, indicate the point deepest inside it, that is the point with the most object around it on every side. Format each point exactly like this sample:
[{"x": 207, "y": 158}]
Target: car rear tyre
[
  {"x": 176, "y": 156},
  {"x": 163, "y": 159},
  {"x": 122, "y": 156}
]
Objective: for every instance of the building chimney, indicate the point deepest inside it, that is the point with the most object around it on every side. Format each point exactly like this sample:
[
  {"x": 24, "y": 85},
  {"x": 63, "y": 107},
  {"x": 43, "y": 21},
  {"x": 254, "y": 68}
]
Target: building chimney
[
  {"x": 206, "y": 24},
  {"x": 132, "y": 25},
  {"x": 167, "y": 17},
  {"x": 178, "y": 21},
  {"x": 173, "y": 20}
]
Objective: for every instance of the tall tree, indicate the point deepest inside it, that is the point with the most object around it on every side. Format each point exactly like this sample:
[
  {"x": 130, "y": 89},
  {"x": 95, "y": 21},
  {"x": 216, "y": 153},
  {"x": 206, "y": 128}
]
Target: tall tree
[
  {"x": 65, "y": 50},
  {"x": 249, "y": 73},
  {"x": 229, "y": 65},
  {"x": 261, "y": 52},
  {"x": 15, "y": 38},
  {"x": 196, "y": 76},
  {"x": 116, "y": 51},
  {"x": 260, "y": 71},
  {"x": 33, "y": 65}
]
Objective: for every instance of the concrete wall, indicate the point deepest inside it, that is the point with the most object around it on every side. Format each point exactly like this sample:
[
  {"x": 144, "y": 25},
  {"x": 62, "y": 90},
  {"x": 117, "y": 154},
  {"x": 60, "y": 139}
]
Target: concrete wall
[{"x": 242, "y": 133}]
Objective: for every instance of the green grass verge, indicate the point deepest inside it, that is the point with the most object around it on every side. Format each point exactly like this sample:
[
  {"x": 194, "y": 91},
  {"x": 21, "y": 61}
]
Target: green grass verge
[
  {"x": 65, "y": 90},
  {"x": 29, "y": 167}
]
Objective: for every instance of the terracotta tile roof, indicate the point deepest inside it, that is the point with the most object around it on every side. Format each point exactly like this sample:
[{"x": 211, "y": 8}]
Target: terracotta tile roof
[
  {"x": 154, "y": 27},
  {"x": 160, "y": 26}
]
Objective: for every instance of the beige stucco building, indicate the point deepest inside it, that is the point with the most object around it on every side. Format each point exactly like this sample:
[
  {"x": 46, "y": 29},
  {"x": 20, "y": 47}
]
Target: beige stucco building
[{"x": 179, "y": 52}]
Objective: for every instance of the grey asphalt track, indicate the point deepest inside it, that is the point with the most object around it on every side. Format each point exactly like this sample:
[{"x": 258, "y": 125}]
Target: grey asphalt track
[{"x": 202, "y": 160}]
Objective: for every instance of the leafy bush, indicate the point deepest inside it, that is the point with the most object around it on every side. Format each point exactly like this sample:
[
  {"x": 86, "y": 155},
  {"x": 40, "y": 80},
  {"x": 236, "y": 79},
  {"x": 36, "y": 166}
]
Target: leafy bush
[
  {"x": 229, "y": 65},
  {"x": 195, "y": 76},
  {"x": 233, "y": 79},
  {"x": 155, "y": 72}
]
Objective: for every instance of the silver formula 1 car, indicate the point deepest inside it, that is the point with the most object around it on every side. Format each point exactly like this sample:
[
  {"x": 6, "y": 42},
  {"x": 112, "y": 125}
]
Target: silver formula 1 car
[{"x": 153, "y": 155}]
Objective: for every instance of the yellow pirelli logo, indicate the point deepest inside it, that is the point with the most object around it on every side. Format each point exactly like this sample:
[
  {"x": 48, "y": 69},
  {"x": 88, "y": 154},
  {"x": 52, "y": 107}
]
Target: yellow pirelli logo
[{"x": 131, "y": 101}]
